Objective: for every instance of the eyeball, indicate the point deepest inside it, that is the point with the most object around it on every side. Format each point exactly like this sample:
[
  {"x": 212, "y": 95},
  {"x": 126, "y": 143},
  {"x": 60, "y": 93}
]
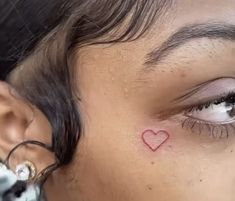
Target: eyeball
[{"x": 216, "y": 113}]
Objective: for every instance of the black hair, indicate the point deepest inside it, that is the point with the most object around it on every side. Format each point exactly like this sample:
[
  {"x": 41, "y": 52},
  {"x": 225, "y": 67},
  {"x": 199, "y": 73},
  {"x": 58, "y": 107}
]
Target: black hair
[
  {"x": 46, "y": 77},
  {"x": 22, "y": 24}
]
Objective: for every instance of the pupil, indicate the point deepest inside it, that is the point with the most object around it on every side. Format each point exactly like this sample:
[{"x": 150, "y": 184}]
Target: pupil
[
  {"x": 231, "y": 112},
  {"x": 230, "y": 100}
]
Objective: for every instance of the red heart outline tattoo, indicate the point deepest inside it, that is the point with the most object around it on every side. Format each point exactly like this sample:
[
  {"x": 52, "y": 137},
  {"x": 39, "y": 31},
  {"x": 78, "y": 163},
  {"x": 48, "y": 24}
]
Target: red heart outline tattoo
[{"x": 154, "y": 140}]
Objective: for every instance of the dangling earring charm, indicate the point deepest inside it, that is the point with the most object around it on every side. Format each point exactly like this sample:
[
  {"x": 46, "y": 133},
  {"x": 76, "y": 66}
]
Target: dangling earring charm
[{"x": 26, "y": 171}]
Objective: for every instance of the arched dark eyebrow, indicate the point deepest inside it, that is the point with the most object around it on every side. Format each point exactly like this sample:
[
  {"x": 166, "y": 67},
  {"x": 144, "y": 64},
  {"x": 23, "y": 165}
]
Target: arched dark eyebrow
[{"x": 188, "y": 33}]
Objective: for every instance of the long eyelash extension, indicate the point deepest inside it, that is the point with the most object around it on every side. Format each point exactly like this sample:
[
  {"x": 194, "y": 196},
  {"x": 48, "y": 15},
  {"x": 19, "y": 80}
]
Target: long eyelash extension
[{"x": 216, "y": 131}]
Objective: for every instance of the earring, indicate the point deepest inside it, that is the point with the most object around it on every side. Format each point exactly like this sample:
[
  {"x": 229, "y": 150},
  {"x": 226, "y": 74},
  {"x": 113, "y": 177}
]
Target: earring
[
  {"x": 26, "y": 171},
  {"x": 17, "y": 186},
  {"x": 25, "y": 183}
]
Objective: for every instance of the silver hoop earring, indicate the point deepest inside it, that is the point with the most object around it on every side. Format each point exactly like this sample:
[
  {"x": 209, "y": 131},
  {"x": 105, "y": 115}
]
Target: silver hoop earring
[
  {"x": 25, "y": 183},
  {"x": 17, "y": 186}
]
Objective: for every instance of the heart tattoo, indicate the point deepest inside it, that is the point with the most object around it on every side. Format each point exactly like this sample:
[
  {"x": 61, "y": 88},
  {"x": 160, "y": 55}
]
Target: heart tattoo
[{"x": 154, "y": 140}]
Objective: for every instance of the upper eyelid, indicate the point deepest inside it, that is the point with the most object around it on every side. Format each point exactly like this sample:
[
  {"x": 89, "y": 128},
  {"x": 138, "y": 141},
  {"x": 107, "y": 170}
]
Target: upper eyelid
[
  {"x": 193, "y": 99},
  {"x": 200, "y": 90}
]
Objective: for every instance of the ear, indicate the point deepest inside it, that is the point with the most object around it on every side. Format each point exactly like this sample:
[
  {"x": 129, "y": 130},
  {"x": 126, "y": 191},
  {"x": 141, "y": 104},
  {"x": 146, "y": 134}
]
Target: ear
[{"x": 21, "y": 121}]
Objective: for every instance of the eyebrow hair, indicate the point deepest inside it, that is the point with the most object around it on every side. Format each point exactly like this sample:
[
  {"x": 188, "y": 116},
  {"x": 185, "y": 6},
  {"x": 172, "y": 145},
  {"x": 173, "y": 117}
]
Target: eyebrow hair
[{"x": 188, "y": 33}]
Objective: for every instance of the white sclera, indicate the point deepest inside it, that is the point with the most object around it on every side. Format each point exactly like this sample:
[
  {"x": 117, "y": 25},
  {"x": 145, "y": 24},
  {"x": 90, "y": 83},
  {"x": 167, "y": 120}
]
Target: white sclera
[{"x": 215, "y": 113}]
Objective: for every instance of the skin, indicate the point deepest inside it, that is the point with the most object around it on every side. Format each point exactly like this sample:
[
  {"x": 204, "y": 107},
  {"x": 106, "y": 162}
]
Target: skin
[{"x": 121, "y": 99}]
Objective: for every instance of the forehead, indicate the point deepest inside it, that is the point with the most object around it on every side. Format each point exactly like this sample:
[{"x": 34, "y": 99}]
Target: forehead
[
  {"x": 130, "y": 56},
  {"x": 118, "y": 68},
  {"x": 189, "y": 11}
]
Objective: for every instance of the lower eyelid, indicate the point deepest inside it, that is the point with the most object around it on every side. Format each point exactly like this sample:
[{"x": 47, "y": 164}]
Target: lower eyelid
[{"x": 218, "y": 131}]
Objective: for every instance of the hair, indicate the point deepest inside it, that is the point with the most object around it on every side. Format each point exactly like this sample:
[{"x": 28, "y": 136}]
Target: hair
[{"x": 45, "y": 76}]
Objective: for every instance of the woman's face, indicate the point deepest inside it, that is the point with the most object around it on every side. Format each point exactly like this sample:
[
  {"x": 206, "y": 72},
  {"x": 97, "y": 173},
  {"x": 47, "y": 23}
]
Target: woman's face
[{"x": 158, "y": 112}]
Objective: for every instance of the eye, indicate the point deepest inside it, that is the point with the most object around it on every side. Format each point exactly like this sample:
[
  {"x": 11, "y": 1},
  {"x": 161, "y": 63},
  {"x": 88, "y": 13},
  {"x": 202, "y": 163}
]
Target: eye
[
  {"x": 209, "y": 108},
  {"x": 217, "y": 117},
  {"x": 221, "y": 111}
]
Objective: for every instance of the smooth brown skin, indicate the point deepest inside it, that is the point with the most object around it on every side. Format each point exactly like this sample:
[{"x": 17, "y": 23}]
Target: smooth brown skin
[{"x": 120, "y": 100}]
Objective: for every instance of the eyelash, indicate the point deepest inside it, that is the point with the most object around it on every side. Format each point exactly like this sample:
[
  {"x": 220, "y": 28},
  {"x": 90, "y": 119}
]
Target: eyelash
[
  {"x": 215, "y": 130},
  {"x": 222, "y": 98}
]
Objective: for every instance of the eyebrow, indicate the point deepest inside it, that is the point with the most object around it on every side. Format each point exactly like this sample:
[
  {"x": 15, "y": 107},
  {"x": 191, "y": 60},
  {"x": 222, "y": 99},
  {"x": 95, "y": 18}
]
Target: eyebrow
[{"x": 188, "y": 33}]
